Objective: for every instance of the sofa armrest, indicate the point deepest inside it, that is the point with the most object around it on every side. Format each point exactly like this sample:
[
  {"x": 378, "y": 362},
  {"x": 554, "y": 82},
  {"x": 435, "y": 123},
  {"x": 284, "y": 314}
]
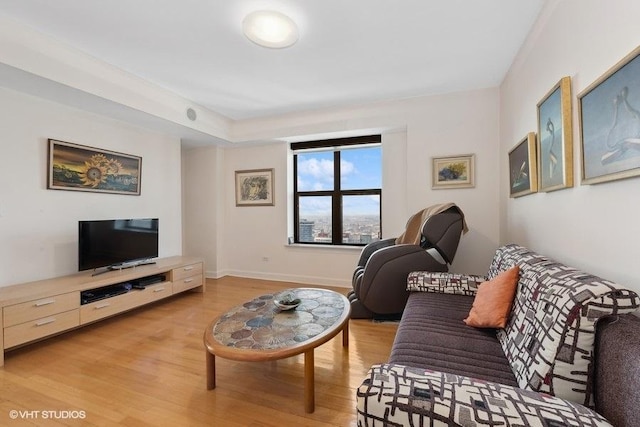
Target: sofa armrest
[
  {"x": 397, "y": 395},
  {"x": 448, "y": 283}
]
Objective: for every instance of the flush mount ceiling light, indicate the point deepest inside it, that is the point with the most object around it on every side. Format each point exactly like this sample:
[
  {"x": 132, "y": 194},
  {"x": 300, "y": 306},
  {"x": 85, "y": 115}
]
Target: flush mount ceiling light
[{"x": 269, "y": 28}]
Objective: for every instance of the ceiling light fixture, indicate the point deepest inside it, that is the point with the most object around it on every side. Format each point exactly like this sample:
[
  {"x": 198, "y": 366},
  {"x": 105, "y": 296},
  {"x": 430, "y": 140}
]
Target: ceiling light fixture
[{"x": 271, "y": 29}]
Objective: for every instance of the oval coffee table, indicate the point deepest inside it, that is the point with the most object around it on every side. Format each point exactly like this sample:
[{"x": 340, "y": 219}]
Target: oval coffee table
[{"x": 258, "y": 331}]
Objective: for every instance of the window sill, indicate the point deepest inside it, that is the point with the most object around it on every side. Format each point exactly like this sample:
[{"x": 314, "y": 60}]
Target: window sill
[{"x": 324, "y": 247}]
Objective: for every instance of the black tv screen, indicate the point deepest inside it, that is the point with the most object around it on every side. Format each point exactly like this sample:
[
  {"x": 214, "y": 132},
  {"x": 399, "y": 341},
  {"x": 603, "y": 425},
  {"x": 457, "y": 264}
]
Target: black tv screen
[{"x": 116, "y": 243}]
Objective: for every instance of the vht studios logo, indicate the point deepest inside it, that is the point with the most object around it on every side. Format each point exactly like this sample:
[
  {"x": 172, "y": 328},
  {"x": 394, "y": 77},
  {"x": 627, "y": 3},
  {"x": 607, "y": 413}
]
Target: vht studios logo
[{"x": 47, "y": 415}]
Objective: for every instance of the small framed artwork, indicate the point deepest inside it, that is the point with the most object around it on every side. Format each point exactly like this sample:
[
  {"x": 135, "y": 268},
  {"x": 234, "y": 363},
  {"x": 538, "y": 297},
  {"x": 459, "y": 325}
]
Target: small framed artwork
[
  {"x": 77, "y": 167},
  {"x": 555, "y": 139},
  {"x": 254, "y": 187},
  {"x": 609, "y": 111},
  {"x": 453, "y": 171},
  {"x": 523, "y": 167}
]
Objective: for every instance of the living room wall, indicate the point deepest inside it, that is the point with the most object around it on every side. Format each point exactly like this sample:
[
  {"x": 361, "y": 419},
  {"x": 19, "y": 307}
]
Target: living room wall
[
  {"x": 592, "y": 227},
  {"x": 39, "y": 227},
  {"x": 252, "y": 241}
]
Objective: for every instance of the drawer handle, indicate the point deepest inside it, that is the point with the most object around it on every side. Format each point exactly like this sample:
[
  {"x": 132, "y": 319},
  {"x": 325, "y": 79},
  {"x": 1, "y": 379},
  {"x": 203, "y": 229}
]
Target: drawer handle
[
  {"x": 45, "y": 321},
  {"x": 188, "y": 280},
  {"x": 106, "y": 304},
  {"x": 158, "y": 290},
  {"x": 188, "y": 268},
  {"x": 45, "y": 302}
]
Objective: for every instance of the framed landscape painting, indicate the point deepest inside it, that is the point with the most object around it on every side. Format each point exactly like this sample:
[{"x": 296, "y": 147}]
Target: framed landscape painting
[
  {"x": 555, "y": 139},
  {"x": 523, "y": 167},
  {"x": 610, "y": 123},
  {"x": 453, "y": 171},
  {"x": 254, "y": 187},
  {"x": 77, "y": 167}
]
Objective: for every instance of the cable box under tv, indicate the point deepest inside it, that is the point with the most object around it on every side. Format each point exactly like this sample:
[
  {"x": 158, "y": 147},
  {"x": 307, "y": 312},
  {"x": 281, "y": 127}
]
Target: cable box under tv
[
  {"x": 148, "y": 280},
  {"x": 92, "y": 295}
]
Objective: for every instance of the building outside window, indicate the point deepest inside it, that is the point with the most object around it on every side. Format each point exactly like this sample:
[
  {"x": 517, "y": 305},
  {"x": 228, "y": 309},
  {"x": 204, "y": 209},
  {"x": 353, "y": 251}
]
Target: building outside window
[{"x": 337, "y": 191}]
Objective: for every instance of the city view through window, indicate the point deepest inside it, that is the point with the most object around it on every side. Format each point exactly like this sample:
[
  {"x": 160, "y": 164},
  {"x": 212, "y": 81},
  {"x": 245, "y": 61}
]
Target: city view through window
[{"x": 360, "y": 170}]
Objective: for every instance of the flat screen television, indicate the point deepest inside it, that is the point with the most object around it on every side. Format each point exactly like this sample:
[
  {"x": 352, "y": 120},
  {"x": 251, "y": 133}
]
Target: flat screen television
[{"x": 117, "y": 243}]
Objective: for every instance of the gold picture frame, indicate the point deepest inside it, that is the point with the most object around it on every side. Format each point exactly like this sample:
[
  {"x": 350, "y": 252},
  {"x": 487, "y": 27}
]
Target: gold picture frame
[
  {"x": 523, "y": 167},
  {"x": 609, "y": 113},
  {"x": 453, "y": 172},
  {"x": 254, "y": 187},
  {"x": 555, "y": 138},
  {"x": 76, "y": 167}
]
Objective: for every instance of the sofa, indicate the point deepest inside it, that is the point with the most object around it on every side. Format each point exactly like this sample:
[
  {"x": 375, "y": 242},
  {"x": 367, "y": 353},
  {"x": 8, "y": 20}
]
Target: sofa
[{"x": 566, "y": 355}]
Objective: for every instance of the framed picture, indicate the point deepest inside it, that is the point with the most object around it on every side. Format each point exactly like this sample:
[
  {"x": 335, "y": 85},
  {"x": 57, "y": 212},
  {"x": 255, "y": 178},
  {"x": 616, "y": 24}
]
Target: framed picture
[
  {"x": 80, "y": 168},
  {"x": 453, "y": 171},
  {"x": 555, "y": 139},
  {"x": 254, "y": 187},
  {"x": 609, "y": 111},
  {"x": 523, "y": 167}
]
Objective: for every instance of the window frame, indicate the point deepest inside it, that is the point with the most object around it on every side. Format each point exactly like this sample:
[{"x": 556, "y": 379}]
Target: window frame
[{"x": 336, "y": 194}]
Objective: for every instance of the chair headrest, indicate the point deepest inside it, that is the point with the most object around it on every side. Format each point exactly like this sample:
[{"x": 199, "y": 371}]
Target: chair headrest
[{"x": 442, "y": 232}]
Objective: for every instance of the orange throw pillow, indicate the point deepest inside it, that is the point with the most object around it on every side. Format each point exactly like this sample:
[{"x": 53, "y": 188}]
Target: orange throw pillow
[{"x": 492, "y": 305}]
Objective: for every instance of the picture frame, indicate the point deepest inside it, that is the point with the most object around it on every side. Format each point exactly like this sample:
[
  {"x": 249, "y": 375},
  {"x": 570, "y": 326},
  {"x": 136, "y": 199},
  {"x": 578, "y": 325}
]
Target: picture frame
[
  {"x": 523, "y": 167},
  {"x": 555, "y": 138},
  {"x": 75, "y": 167},
  {"x": 609, "y": 119},
  {"x": 453, "y": 171},
  {"x": 254, "y": 187}
]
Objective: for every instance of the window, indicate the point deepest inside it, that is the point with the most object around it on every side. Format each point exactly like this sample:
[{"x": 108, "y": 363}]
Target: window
[{"x": 337, "y": 191}]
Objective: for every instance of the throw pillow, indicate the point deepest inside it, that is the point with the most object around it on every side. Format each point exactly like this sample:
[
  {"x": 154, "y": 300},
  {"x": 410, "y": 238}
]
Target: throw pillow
[{"x": 492, "y": 304}]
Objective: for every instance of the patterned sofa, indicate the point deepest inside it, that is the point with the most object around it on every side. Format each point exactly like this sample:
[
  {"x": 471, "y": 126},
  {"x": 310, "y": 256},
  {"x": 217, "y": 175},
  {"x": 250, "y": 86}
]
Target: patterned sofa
[{"x": 539, "y": 370}]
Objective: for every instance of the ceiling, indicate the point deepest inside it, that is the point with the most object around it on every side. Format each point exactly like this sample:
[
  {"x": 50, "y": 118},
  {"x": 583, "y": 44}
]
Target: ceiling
[{"x": 350, "y": 52}]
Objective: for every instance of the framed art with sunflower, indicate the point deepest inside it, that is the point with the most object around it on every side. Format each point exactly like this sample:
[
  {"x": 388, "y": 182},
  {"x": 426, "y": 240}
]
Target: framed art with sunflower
[{"x": 80, "y": 168}]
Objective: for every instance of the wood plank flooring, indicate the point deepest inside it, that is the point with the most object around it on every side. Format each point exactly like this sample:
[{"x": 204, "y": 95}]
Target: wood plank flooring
[{"x": 147, "y": 368}]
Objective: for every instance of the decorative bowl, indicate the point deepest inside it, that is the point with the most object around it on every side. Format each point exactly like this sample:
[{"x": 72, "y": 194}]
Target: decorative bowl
[{"x": 286, "y": 302}]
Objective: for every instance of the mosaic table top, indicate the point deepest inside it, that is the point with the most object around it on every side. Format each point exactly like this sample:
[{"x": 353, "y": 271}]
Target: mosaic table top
[{"x": 260, "y": 325}]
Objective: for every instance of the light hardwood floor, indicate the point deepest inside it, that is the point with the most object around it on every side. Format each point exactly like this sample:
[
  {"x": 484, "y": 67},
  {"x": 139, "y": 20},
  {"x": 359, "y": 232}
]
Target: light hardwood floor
[{"x": 147, "y": 368}]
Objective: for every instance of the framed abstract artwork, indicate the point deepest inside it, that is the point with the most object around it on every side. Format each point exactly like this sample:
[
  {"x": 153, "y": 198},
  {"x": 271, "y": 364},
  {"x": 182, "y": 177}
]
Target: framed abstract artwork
[
  {"x": 555, "y": 138},
  {"x": 523, "y": 167},
  {"x": 453, "y": 171},
  {"x": 77, "y": 167},
  {"x": 609, "y": 111},
  {"x": 254, "y": 187}
]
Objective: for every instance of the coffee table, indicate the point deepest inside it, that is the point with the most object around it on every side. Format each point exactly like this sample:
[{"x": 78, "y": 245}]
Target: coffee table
[{"x": 259, "y": 331}]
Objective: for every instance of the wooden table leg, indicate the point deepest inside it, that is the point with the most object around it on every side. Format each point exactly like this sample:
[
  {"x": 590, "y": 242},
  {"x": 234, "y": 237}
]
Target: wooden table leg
[
  {"x": 211, "y": 371},
  {"x": 345, "y": 335},
  {"x": 309, "y": 387}
]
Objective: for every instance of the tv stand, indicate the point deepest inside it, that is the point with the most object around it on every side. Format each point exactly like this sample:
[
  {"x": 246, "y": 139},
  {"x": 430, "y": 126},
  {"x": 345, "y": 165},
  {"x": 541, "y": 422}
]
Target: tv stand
[{"x": 37, "y": 310}]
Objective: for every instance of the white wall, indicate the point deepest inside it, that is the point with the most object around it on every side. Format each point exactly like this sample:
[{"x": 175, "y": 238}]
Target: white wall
[
  {"x": 592, "y": 227},
  {"x": 38, "y": 227},
  {"x": 413, "y": 130}
]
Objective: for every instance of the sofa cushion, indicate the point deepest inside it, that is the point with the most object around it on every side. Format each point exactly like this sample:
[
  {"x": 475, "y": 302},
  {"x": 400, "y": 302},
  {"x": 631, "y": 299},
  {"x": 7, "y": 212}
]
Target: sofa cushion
[
  {"x": 396, "y": 395},
  {"x": 492, "y": 304},
  {"x": 432, "y": 335},
  {"x": 549, "y": 339}
]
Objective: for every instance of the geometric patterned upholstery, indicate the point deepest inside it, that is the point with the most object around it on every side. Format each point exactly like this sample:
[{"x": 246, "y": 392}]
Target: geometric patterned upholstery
[
  {"x": 550, "y": 337},
  {"x": 395, "y": 395},
  {"x": 446, "y": 283}
]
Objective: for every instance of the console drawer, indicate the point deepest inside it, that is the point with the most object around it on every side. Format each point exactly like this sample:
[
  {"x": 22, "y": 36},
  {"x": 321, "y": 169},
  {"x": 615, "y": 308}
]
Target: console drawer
[
  {"x": 187, "y": 271},
  {"x": 40, "y": 328},
  {"x": 132, "y": 299},
  {"x": 36, "y": 309},
  {"x": 187, "y": 283}
]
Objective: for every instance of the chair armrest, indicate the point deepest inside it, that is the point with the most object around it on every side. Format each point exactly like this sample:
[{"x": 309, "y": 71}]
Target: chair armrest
[
  {"x": 370, "y": 248},
  {"x": 448, "y": 283},
  {"x": 394, "y": 395}
]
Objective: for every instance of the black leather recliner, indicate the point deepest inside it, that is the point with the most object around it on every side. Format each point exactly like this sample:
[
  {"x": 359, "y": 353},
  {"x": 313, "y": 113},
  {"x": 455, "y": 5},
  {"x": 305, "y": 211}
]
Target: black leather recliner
[{"x": 380, "y": 279}]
